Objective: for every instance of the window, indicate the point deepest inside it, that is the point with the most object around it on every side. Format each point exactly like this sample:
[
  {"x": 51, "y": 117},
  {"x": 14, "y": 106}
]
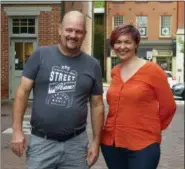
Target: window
[
  {"x": 118, "y": 20},
  {"x": 23, "y": 25},
  {"x": 142, "y": 24},
  {"x": 165, "y": 26}
]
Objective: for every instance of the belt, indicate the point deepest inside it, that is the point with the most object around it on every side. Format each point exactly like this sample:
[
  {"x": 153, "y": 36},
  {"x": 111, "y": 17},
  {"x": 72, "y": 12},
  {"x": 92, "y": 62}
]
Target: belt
[{"x": 56, "y": 137}]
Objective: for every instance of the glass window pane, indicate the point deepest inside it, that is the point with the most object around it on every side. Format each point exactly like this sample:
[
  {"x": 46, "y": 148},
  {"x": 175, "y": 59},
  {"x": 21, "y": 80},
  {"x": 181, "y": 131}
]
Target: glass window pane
[
  {"x": 19, "y": 56},
  {"x": 28, "y": 49},
  {"x": 31, "y": 22},
  {"x": 165, "y": 25},
  {"x": 24, "y": 30},
  {"x": 15, "y": 30},
  {"x": 118, "y": 20},
  {"x": 142, "y": 23},
  {"x": 23, "y": 22},
  {"x": 15, "y": 22},
  {"x": 24, "y": 25},
  {"x": 165, "y": 21},
  {"x": 31, "y": 30}
]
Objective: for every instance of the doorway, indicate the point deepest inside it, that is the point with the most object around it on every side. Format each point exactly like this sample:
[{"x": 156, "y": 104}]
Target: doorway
[
  {"x": 19, "y": 54},
  {"x": 165, "y": 63}
]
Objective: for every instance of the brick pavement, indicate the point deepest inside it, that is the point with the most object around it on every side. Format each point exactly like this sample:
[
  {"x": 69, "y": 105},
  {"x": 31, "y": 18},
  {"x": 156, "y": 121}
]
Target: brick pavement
[{"x": 172, "y": 147}]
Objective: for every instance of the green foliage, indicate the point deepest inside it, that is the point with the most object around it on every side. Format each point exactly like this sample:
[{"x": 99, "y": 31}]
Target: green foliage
[
  {"x": 182, "y": 45},
  {"x": 99, "y": 40},
  {"x": 99, "y": 4},
  {"x": 99, "y": 45}
]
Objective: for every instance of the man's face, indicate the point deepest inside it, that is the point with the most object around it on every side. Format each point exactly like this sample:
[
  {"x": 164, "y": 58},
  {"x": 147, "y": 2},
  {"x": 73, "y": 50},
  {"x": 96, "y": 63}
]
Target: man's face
[{"x": 72, "y": 34}]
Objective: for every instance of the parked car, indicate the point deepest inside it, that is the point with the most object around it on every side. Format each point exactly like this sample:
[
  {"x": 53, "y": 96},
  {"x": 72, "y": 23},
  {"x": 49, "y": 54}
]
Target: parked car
[
  {"x": 171, "y": 79},
  {"x": 178, "y": 90}
]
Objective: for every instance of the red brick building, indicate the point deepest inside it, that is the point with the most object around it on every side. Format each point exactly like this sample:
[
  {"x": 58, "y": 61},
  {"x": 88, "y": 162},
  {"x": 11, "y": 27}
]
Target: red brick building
[
  {"x": 27, "y": 25},
  {"x": 157, "y": 21}
]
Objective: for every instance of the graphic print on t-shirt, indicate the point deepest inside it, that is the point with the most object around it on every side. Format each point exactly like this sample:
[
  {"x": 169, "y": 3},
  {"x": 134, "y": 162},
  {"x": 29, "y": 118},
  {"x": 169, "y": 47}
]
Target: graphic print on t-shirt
[{"x": 62, "y": 81}]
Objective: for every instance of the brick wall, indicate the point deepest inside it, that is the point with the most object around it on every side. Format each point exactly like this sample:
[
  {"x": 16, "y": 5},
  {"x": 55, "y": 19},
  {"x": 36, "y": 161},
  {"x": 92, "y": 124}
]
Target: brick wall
[
  {"x": 180, "y": 6},
  {"x": 48, "y": 34},
  {"x": 4, "y": 54},
  {"x": 87, "y": 43},
  {"x": 48, "y": 23},
  {"x": 152, "y": 9}
]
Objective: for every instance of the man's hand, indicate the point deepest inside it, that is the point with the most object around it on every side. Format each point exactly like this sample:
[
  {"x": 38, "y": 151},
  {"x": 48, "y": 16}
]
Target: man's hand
[
  {"x": 19, "y": 143},
  {"x": 93, "y": 153}
]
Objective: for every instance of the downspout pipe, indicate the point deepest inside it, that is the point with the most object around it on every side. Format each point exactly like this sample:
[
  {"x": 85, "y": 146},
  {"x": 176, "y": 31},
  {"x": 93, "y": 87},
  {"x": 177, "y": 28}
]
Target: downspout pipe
[{"x": 62, "y": 12}]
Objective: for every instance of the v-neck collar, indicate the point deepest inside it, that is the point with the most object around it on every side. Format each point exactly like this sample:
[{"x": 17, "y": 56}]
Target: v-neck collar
[{"x": 137, "y": 72}]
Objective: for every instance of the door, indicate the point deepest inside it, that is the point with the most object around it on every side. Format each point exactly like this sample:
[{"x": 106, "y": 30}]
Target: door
[
  {"x": 165, "y": 62},
  {"x": 20, "y": 52}
]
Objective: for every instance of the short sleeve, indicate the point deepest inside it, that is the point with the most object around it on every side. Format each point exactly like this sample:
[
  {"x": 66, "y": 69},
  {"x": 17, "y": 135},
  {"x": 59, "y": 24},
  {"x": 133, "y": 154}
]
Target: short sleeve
[
  {"x": 32, "y": 65},
  {"x": 97, "y": 85}
]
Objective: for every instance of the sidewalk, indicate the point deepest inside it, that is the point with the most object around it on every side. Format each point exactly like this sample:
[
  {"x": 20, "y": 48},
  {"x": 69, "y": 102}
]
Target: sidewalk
[{"x": 106, "y": 84}]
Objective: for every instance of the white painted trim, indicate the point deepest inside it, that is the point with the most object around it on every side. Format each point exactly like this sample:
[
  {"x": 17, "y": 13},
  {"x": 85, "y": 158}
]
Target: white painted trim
[
  {"x": 23, "y": 2},
  {"x": 180, "y": 32},
  {"x": 29, "y": 11},
  {"x": 99, "y": 10},
  {"x": 112, "y": 28}
]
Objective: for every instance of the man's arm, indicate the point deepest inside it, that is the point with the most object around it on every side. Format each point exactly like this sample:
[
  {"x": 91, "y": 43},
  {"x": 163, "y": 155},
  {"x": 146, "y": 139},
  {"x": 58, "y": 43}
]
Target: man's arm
[
  {"x": 20, "y": 103},
  {"x": 19, "y": 108},
  {"x": 97, "y": 121},
  {"x": 97, "y": 116}
]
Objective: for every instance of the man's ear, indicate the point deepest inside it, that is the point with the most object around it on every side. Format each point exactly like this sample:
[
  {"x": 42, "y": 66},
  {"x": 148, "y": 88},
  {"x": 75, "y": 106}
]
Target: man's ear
[{"x": 60, "y": 29}]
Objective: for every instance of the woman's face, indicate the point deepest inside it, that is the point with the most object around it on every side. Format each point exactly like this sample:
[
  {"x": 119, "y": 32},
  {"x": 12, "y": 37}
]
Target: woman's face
[{"x": 125, "y": 47}]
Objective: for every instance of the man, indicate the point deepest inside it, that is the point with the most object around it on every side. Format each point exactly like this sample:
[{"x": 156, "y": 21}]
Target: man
[{"x": 63, "y": 79}]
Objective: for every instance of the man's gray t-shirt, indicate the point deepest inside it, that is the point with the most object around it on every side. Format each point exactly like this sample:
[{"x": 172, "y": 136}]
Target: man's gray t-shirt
[{"x": 62, "y": 87}]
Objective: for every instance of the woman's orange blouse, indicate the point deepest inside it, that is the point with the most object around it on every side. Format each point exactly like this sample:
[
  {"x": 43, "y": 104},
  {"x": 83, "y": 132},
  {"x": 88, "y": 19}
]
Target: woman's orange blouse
[{"x": 139, "y": 108}]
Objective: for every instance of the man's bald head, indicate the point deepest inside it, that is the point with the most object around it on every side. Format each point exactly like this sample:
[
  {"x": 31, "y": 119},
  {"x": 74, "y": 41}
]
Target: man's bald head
[{"x": 74, "y": 15}]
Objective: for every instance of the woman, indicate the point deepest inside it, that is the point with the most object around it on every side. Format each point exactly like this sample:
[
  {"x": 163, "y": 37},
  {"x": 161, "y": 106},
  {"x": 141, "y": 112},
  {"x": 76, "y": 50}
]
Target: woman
[{"x": 141, "y": 105}]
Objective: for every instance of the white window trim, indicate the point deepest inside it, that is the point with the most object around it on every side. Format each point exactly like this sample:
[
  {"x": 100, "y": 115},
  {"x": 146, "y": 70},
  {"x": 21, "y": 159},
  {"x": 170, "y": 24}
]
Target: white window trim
[
  {"x": 170, "y": 27},
  {"x": 112, "y": 22},
  {"x": 147, "y": 26},
  {"x": 23, "y": 35}
]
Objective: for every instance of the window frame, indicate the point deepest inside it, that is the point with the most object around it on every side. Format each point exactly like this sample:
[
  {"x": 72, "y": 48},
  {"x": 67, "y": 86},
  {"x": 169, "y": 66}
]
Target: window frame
[
  {"x": 143, "y": 36},
  {"x": 23, "y": 34},
  {"x": 160, "y": 27},
  {"x": 113, "y": 19}
]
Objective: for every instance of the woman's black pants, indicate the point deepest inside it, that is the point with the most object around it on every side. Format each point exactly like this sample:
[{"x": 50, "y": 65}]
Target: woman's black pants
[{"x": 122, "y": 158}]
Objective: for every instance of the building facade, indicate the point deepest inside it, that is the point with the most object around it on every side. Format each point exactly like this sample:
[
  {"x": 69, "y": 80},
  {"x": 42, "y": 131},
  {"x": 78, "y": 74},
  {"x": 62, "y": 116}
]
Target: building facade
[
  {"x": 157, "y": 23},
  {"x": 27, "y": 25}
]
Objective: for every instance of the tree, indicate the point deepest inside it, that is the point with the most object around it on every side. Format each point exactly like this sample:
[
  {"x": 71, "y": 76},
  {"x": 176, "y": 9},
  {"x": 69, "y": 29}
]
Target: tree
[
  {"x": 182, "y": 45},
  {"x": 99, "y": 4},
  {"x": 181, "y": 41}
]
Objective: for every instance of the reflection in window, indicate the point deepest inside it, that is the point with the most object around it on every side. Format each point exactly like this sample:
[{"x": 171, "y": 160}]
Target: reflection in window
[
  {"x": 18, "y": 56},
  {"x": 22, "y": 52},
  {"x": 142, "y": 23},
  {"x": 165, "y": 26}
]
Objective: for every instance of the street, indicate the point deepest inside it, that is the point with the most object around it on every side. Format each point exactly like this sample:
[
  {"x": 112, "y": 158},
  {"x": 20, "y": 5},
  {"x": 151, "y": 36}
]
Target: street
[{"x": 172, "y": 148}]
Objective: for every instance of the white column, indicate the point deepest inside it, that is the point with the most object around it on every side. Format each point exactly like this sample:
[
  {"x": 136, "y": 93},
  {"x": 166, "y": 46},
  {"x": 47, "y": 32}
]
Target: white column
[
  {"x": 108, "y": 69},
  {"x": 179, "y": 57}
]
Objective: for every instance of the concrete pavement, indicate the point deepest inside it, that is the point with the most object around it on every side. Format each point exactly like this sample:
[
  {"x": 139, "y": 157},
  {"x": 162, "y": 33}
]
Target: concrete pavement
[{"x": 172, "y": 147}]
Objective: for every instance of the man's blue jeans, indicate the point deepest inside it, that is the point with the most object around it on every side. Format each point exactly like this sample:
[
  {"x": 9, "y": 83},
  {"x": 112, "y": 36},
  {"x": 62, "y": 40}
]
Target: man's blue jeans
[{"x": 122, "y": 158}]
